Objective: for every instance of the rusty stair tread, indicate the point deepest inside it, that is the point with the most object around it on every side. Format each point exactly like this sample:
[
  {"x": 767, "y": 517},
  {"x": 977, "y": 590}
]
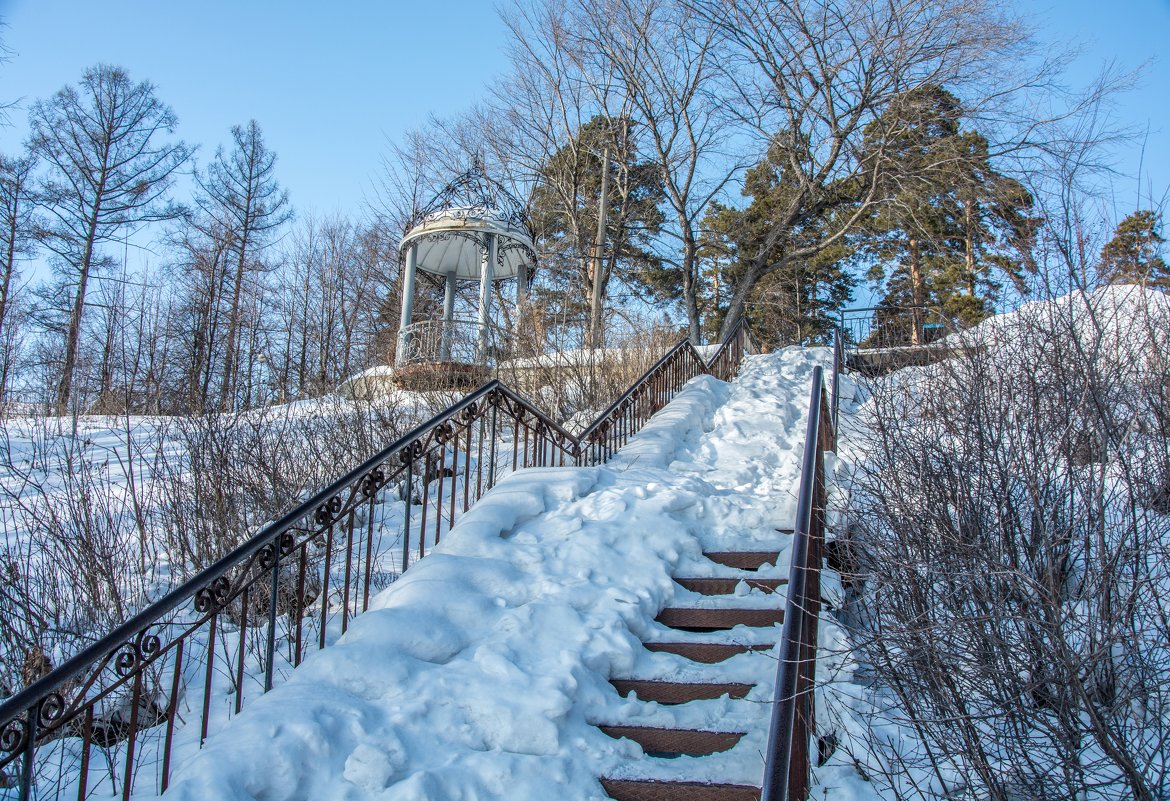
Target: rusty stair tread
[
  {"x": 726, "y": 586},
  {"x": 695, "y": 619},
  {"x": 671, "y": 742},
  {"x": 706, "y": 652},
  {"x": 677, "y": 692},
  {"x": 744, "y": 560},
  {"x": 645, "y": 790}
]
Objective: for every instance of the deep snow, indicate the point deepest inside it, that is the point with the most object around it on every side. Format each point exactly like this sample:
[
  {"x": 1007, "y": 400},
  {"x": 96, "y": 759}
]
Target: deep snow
[{"x": 483, "y": 671}]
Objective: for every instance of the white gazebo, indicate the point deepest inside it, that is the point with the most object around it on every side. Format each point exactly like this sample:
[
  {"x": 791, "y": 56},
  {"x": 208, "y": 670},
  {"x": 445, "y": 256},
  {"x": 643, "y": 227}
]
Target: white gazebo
[{"x": 472, "y": 231}]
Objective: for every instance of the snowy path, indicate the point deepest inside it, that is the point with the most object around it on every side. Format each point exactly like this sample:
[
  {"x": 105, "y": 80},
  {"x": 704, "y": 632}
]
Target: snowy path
[{"x": 484, "y": 671}]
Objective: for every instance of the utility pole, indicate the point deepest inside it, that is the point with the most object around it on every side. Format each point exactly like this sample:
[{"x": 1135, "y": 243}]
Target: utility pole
[{"x": 595, "y": 336}]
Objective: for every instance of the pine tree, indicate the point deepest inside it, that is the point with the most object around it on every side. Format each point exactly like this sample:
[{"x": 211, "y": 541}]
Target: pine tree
[
  {"x": 1134, "y": 254},
  {"x": 564, "y": 210},
  {"x": 797, "y": 302},
  {"x": 949, "y": 225}
]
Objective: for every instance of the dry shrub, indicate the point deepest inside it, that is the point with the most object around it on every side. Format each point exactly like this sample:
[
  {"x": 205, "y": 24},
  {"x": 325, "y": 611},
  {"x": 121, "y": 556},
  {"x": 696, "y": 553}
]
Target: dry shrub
[{"x": 1012, "y": 509}]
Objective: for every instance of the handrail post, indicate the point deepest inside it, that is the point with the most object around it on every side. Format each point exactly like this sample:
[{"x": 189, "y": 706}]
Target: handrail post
[{"x": 835, "y": 405}]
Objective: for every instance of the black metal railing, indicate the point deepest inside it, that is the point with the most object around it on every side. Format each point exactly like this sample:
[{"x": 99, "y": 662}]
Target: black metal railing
[
  {"x": 894, "y": 326},
  {"x": 110, "y": 715},
  {"x": 788, "y": 762}
]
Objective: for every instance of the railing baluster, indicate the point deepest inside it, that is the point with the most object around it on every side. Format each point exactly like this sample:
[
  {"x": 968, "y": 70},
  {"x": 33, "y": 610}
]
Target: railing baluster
[
  {"x": 241, "y": 651},
  {"x": 172, "y": 711},
  {"x": 208, "y": 675},
  {"x": 515, "y": 443},
  {"x": 274, "y": 590},
  {"x": 422, "y": 520},
  {"x": 467, "y": 466},
  {"x": 369, "y": 549},
  {"x": 325, "y": 586},
  {"x": 454, "y": 478},
  {"x": 86, "y": 743},
  {"x": 442, "y": 450},
  {"x": 132, "y": 737},
  {"x": 348, "y": 571},
  {"x": 407, "y": 501},
  {"x": 479, "y": 459}
]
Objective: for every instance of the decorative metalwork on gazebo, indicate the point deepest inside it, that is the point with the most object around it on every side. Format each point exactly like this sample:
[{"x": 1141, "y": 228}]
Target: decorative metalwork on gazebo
[{"x": 473, "y": 230}]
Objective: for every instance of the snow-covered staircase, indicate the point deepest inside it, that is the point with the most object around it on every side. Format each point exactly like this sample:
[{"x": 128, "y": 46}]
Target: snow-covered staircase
[{"x": 716, "y": 620}]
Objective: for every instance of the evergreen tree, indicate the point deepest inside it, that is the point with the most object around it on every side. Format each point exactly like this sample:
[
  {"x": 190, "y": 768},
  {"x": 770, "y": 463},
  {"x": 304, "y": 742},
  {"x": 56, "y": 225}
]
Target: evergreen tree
[
  {"x": 564, "y": 209},
  {"x": 1134, "y": 254},
  {"x": 795, "y": 303},
  {"x": 948, "y": 226}
]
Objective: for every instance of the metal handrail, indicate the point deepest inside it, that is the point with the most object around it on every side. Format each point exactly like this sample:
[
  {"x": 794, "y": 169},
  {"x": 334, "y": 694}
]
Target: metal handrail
[
  {"x": 787, "y": 761},
  {"x": 337, "y": 521},
  {"x": 859, "y": 322}
]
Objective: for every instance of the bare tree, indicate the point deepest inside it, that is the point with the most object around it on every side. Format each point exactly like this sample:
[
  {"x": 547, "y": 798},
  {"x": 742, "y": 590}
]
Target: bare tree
[
  {"x": 563, "y": 109},
  {"x": 325, "y": 304},
  {"x": 16, "y": 236},
  {"x": 107, "y": 171},
  {"x": 667, "y": 61},
  {"x": 242, "y": 205},
  {"x": 810, "y": 76}
]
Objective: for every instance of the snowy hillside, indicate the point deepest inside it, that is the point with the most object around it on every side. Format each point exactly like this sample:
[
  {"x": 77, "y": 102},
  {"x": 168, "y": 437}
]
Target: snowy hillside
[
  {"x": 483, "y": 671},
  {"x": 1013, "y": 504}
]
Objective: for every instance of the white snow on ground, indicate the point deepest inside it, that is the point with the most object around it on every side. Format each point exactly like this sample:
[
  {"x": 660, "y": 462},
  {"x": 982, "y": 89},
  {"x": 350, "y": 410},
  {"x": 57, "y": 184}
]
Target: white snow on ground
[{"x": 482, "y": 672}]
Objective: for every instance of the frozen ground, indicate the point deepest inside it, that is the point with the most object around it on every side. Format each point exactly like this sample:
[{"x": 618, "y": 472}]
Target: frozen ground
[{"x": 482, "y": 672}]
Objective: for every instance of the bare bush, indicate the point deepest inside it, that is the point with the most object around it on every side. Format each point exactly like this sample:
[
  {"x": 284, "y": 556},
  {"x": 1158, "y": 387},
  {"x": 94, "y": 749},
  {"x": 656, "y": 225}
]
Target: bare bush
[
  {"x": 75, "y": 556},
  {"x": 233, "y": 472},
  {"x": 1011, "y": 508},
  {"x": 574, "y": 385}
]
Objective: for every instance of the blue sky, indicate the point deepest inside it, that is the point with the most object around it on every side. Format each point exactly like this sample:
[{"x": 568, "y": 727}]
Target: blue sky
[{"x": 329, "y": 82}]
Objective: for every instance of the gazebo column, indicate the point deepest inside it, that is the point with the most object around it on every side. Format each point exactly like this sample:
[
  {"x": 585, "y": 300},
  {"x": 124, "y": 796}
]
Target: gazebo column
[
  {"x": 485, "y": 298},
  {"x": 521, "y": 296},
  {"x": 408, "y": 278},
  {"x": 448, "y": 318}
]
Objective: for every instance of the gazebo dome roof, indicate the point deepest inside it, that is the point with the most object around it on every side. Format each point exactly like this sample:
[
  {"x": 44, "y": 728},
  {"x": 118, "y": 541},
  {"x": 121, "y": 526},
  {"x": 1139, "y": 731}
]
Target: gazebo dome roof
[
  {"x": 454, "y": 240},
  {"x": 451, "y": 232}
]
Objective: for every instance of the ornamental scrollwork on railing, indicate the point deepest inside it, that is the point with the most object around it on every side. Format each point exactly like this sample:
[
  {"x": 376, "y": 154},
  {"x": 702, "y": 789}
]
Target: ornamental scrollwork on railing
[
  {"x": 13, "y": 738},
  {"x": 131, "y": 656},
  {"x": 215, "y": 596},
  {"x": 372, "y": 482},
  {"x": 283, "y": 545},
  {"x": 328, "y": 512}
]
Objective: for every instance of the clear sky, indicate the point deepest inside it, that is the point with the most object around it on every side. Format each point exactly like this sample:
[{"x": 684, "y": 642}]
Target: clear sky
[{"x": 330, "y": 81}]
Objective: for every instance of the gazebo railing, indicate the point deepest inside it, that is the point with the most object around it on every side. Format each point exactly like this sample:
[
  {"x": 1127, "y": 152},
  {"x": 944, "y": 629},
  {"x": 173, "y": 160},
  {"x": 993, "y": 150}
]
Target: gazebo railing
[
  {"x": 459, "y": 341},
  {"x": 114, "y": 714}
]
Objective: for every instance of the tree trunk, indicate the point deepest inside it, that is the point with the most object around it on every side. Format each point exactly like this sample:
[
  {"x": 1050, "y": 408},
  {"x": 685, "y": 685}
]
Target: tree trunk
[
  {"x": 969, "y": 234},
  {"x": 231, "y": 360},
  {"x": 691, "y": 288},
  {"x": 739, "y": 297},
  {"x": 73, "y": 334},
  {"x": 917, "y": 293}
]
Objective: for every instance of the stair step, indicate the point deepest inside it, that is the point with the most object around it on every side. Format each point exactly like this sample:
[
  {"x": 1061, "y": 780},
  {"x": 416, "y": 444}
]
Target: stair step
[
  {"x": 636, "y": 790},
  {"x": 691, "y": 619},
  {"x": 674, "y": 692},
  {"x": 743, "y": 560},
  {"x": 706, "y": 652},
  {"x": 675, "y": 742},
  {"x": 726, "y": 586}
]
